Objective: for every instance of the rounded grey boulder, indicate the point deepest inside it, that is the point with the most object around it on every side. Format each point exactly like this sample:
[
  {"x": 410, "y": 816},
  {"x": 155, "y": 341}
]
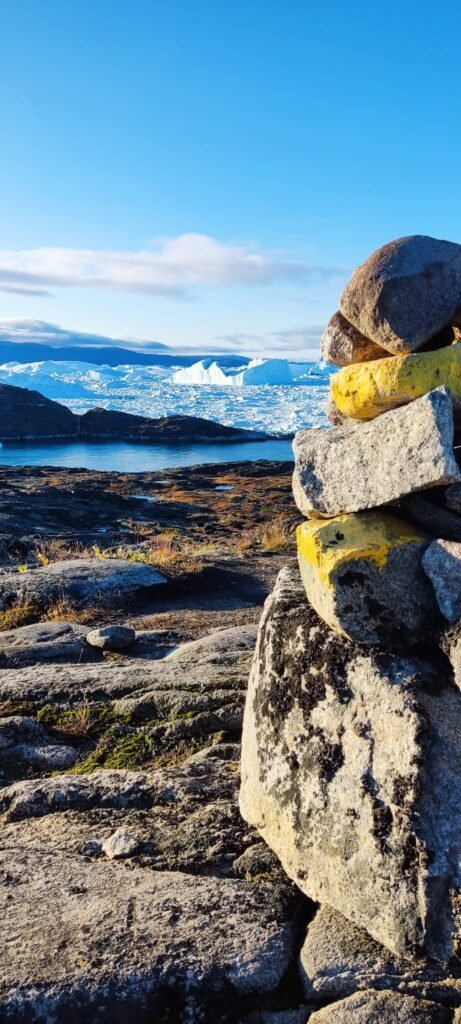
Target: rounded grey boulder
[
  {"x": 405, "y": 292},
  {"x": 111, "y": 638}
]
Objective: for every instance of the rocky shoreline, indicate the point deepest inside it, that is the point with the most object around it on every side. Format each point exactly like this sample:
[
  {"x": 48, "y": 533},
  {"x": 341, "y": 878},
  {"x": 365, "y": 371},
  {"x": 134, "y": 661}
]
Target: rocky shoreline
[{"x": 29, "y": 416}]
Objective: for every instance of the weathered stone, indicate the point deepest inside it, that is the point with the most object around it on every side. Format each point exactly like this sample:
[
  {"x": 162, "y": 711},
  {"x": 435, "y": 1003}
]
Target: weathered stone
[
  {"x": 108, "y": 942},
  {"x": 450, "y": 643},
  {"x": 185, "y": 816},
  {"x": 336, "y": 471},
  {"x": 343, "y": 344},
  {"x": 431, "y": 517},
  {"x": 200, "y": 675},
  {"x": 111, "y": 638},
  {"x": 382, "y": 1008},
  {"x": 25, "y": 745},
  {"x": 442, "y": 564},
  {"x": 367, "y": 390},
  {"x": 120, "y": 844},
  {"x": 345, "y": 780},
  {"x": 338, "y": 958},
  {"x": 43, "y": 642},
  {"x": 84, "y": 581},
  {"x": 405, "y": 292},
  {"x": 453, "y": 497},
  {"x": 355, "y": 571},
  {"x": 34, "y": 798},
  {"x": 255, "y": 862},
  {"x": 298, "y": 1016}
]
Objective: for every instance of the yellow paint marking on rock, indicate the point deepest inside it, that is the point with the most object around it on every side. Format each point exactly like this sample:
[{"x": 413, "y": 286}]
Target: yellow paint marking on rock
[
  {"x": 366, "y": 390},
  {"x": 328, "y": 544}
]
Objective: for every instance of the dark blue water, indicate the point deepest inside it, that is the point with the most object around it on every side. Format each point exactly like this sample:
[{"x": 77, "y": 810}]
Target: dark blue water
[{"x": 123, "y": 457}]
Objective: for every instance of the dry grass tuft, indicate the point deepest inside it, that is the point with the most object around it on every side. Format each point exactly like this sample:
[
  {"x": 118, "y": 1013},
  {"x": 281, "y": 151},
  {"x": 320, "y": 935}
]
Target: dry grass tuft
[
  {"x": 270, "y": 537},
  {"x": 21, "y": 613},
  {"x": 62, "y": 610}
]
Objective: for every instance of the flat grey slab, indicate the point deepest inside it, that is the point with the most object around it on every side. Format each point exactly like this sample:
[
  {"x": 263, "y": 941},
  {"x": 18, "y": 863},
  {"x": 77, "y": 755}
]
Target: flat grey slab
[
  {"x": 85, "y": 581},
  {"x": 365, "y": 465},
  {"x": 111, "y": 939},
  {"x": 196, "y": 671},
  {"x": 45, "y": 643}
]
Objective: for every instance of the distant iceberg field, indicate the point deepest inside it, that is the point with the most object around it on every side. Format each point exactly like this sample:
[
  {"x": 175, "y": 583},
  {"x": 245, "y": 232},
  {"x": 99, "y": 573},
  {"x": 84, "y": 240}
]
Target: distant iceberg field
[{"x": 273, "y": 395}]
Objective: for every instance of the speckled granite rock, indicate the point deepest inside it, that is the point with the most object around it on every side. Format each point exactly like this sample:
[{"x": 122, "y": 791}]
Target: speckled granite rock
[
  {"x": 338, "y": 959},
  {"x": 351, "y": 772},
  {"x": 116, "y": 942},
  {"x": 111, "y": 638},
  {"x": 366, "y": 465}
]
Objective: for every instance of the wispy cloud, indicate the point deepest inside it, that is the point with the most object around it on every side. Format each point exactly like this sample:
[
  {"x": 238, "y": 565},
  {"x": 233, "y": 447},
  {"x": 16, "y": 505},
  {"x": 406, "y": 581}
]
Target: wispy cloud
[
  {"x": 41, "y": 332},
  {"x": 304, "y": 341},
  {"x": 174, "y": 267}
]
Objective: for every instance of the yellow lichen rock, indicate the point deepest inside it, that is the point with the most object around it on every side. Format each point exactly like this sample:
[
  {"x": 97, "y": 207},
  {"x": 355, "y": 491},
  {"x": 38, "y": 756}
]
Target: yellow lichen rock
[
  {"x": 368, "y": 389},
  {"x": 355, "y": 569}
]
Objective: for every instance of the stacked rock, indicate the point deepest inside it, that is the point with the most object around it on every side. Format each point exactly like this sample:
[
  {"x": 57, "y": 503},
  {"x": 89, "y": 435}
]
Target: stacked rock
[
  {"x": 395, "y": 439},
  {"x": 351, "y": 760}
]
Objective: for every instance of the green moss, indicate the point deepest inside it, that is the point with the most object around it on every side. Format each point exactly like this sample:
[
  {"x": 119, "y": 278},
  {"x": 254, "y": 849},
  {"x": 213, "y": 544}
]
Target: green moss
[
  {"x": 85, "y": 720},
  {"x": 130, "y": 750}
]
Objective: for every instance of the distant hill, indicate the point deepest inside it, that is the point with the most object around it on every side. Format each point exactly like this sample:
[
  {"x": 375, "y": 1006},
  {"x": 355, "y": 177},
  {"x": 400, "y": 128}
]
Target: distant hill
[{"x": 30, "y": 352}]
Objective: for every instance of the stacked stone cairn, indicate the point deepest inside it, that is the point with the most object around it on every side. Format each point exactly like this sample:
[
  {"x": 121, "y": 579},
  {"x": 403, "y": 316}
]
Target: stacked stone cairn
[{"x": 351, "y": 762}]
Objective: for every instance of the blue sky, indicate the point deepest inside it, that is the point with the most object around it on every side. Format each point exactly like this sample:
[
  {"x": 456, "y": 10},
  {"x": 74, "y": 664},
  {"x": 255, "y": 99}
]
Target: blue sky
[{"x": 205, "y": 173}]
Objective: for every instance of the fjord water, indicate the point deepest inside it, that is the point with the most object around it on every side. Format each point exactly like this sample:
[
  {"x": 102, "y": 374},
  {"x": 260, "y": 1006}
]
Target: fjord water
[{"x": 123, "y": 457}]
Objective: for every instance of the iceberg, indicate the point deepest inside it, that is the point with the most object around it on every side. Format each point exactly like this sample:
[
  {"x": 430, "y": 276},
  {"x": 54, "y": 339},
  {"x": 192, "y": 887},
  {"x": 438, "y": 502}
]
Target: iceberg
[
  {"x": 258, "y": 372},
  {"x": 297, "y": 400}
]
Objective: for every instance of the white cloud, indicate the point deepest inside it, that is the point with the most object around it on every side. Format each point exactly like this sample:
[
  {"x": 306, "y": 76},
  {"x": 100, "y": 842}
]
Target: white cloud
[{"x": 174, "y": 268}]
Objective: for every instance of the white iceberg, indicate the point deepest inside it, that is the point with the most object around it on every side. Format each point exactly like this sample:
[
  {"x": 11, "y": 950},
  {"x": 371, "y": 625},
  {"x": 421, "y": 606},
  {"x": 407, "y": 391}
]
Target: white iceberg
[{"x": 257, "y": 372}]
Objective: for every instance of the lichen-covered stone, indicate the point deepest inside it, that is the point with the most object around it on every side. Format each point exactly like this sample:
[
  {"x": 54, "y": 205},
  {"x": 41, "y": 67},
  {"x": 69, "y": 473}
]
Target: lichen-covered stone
[
  {"x": 366, "y": 390},
  {"x": 442, "y": 564},
  {"x": 338, "y": 959},
  {"x": 351, "y": 772},
  {"x": 382, "y": 1008},
  {"x": 355, "y": 571},
  {"x": 405, "y": 292},
  {"x": 363, "y": 466},
  {"x": 342, "y": 344}
]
